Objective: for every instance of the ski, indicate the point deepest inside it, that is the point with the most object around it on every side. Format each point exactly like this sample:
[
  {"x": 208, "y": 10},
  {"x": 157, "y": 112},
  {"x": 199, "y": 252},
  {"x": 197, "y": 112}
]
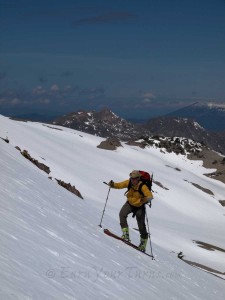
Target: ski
[{"x": 109, "y": 233}]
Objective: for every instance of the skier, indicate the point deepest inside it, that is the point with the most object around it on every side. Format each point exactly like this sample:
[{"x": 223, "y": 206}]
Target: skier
[{"x": 137, "y": 196}]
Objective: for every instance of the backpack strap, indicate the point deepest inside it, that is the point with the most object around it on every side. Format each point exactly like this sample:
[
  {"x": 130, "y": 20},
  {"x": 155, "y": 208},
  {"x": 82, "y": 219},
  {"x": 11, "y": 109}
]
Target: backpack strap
[
  {"x": 128, "y": 188},
  {"x": 139, "y": 188}
]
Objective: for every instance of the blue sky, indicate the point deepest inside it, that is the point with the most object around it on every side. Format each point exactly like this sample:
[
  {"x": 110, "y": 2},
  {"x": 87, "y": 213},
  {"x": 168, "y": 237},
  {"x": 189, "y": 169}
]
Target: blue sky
[{"x": 140, "y": 58}]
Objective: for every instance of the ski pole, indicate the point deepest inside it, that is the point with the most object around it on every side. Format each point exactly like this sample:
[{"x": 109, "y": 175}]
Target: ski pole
[
  {"x": 100, "y": 225},
  {"x": 149, "y": 234}
]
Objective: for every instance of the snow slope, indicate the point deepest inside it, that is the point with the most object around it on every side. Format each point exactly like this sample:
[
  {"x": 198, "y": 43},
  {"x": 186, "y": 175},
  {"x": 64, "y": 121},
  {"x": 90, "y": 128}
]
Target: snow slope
[{"x": 52, "y": 246}]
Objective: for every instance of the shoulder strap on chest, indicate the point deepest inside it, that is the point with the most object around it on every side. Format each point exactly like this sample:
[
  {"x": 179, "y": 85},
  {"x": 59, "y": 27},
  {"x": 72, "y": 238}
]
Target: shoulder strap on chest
[
  {"x": 139, "y": 187},
  {"x": 128, "y": 188}
]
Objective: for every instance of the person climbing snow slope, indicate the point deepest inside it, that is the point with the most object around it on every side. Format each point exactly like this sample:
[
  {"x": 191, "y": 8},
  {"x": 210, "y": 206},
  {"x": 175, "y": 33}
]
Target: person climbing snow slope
[{"x": 138, "y": 194}]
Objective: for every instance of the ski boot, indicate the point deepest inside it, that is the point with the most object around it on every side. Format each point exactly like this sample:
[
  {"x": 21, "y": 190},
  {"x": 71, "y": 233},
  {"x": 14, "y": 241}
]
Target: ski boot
[
  {"x": 125, "y": 235},
  {"x": 143, "y": 243}
]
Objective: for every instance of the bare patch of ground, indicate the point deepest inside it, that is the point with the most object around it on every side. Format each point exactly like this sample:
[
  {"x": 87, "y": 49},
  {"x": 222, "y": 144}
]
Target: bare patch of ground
[
  {"x": 222, "y": 202},
  {"x": 138, "y": 144},
  {"x": 209, "y": 247},
  {"x": 177, "y": 169},
  {"x": 52, "y": 127},
  {"x": 202, "y": 188},
  {"x": 160, "y": 184},
  {"x": 211, "y": 160},
  {"x": 69, "y": 187},
  {"x": 41, "y": 166},
  {"x": 110, "y": 144},
  {"x": 203, "y": 267},
  {"x": 5, "y": 140}
]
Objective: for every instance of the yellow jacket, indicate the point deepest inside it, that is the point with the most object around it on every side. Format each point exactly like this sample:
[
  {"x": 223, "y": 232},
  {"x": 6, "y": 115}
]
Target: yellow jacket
[{"x": 133, "y": 196}]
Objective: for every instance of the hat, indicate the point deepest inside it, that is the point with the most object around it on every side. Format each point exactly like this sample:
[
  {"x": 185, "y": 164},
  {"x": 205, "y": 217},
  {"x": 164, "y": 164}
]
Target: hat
[{"x": 135, "y": 174}]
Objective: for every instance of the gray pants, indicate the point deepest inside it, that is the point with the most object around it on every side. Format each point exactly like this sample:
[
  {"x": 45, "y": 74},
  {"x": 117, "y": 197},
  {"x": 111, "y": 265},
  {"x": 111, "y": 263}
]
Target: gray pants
[{"x": 140, "y": 216}]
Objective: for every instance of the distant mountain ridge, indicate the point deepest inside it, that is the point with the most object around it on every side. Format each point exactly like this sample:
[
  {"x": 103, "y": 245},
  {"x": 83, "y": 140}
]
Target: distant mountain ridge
[
  {"x": 103, "y": 123},
  {"x": 210, "y": 115},
  {"x": 107, "y": 124},
  {"x": 188, "y": 128}
]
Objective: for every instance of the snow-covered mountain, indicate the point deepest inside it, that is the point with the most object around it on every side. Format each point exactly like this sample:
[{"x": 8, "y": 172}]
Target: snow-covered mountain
[
  {"x": 176, "y": 126},
  {"x": 102, "y": 123},
  {"x": 186, "y": 127},
  {"x": 210, "y": 115},
  {"x": 105, "y": 123},
  {"x": 52, "y": 246}
]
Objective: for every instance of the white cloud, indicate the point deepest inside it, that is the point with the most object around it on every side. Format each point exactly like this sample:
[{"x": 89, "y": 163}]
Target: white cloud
[
  {"x": 54, "y": 88},
  {"x": 68, "y": 88},
  {"x": 2, "y": 101},
  {"x": 149, "y": 95},
  {"x": 44, "y": 101},
  {"x": 217, "y": 105},
  {"x": 147, "y": 100},
  {"x": 38, "y": 90},
  {"x": 15, "y": 101}
]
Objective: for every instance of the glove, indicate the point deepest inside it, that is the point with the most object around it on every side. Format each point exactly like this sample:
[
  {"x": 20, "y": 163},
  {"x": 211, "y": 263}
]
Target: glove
[
  {"x": 149, "y": 201},
  {"x": 146, "y": 200},
  {"x": 111, "y": 183}
]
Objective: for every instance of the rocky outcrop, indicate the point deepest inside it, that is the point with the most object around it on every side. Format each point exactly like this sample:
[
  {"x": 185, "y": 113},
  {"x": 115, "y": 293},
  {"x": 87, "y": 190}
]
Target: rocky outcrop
[
  {"x": 211, "y": 160},
  {"x": 188, "y": 128},
  {"x": 46, "y": 169},
  {"x": 41, "y": 166},
  {"x": 69, "y": 187},
  {"x": 110, "y": 144},
  {"x": 160, "y": 185},
  {"x": 5, "y": 140},
  {"x": 177, "y": 145}
]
